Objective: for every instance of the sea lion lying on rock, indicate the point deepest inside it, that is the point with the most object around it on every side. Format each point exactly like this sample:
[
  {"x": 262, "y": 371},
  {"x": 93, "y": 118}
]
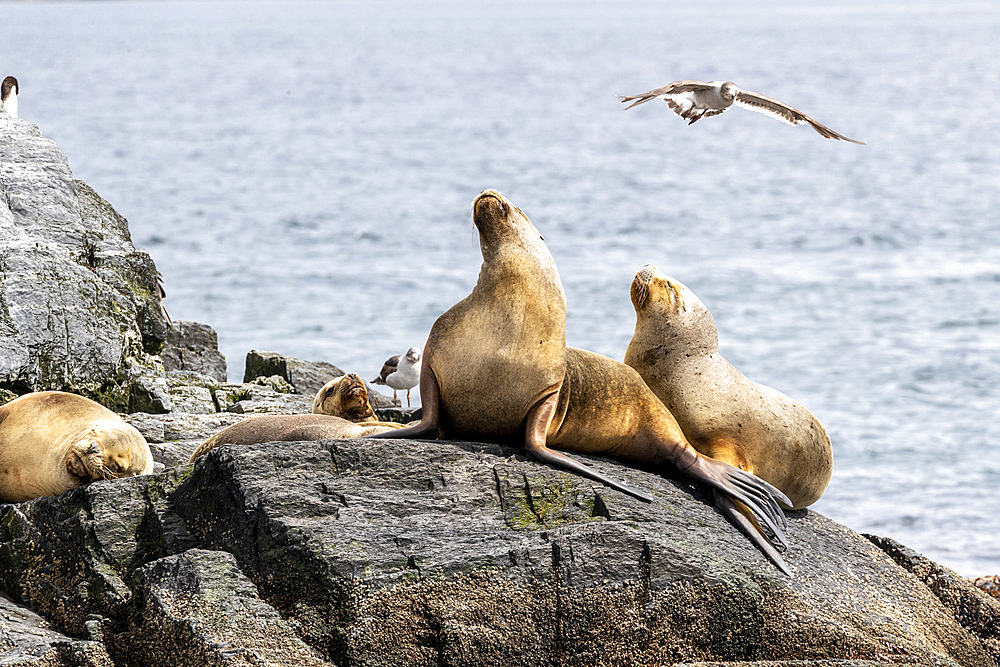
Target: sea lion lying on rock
[
  {"x": 290, "y": 428},
  {"x": 345, "y": 396},
  {"x": 52, "y": 441},
  {"x": 496, "y": 368}
]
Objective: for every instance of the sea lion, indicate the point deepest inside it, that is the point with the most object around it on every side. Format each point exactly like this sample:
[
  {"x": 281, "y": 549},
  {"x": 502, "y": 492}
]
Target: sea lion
[
  {"x": 52, "y": 441},
  {"x": 724, "y": 414},
  {"x": 496, "y": 368},
  {"x": 290, "y": 428},
  {"x": 345, "y": 396}
]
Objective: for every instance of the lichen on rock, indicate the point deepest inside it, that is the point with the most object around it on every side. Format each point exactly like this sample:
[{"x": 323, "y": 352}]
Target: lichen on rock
[{"x": 79, "y": 308}]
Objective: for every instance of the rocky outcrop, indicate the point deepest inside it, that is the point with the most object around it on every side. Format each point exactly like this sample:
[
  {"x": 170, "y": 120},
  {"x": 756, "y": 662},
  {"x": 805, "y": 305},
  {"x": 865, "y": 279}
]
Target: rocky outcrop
[
  {"x": 194, "y": 347},
  {"x": 363, "y": 552},
  {"x": 79, "y": 305},
  {"x": 27, "y": 639},
  {"x": 197, "y": 608},
  {"x": 305, "y": 377}
]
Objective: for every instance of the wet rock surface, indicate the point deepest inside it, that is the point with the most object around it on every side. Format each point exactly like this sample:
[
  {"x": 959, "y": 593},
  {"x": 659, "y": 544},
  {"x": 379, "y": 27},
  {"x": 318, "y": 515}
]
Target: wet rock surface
[{"x": 389, "y": 552}]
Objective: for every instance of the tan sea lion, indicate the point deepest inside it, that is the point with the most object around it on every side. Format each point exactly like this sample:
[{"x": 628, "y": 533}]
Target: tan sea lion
[
  {"x": 724, "y": 414},
  {"x": 290, "y": 428},
  {"x": 496, "y": 368},
  {"x": 345, "y": 396},
  {"x": 52, "y": 441}
]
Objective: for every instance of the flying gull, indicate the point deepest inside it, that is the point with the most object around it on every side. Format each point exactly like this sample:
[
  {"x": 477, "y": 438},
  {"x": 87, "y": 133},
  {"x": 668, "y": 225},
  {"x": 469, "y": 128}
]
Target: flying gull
[{"x": 694, "y": 100}]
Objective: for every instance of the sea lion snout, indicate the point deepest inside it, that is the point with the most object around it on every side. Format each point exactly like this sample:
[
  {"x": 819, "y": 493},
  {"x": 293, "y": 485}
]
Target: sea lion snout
[
  {"x": 640, "y": 285},
  {"x": 651, "y": 286},
  {"x": 489, "y": 203}
]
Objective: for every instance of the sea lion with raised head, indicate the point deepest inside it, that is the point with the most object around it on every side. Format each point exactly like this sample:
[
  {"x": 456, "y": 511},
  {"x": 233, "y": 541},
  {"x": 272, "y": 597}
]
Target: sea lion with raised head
[
  {"x": 345, "y": 396},
  {"x": 723, "y": 414},
  {"x": 290, "y": 428},
  {"x": 52, "y": 441},
  {"x": 496, "y": 368}
]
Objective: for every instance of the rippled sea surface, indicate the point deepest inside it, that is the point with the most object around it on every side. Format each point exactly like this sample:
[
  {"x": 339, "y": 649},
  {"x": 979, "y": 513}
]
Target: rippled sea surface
[{"x": 302, "y": 175}]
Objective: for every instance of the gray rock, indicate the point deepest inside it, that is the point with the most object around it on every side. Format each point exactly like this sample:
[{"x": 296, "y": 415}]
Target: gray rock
[
  {"x": 69, "y": 557},
  {"x": 389, "y": 552},
  {"x": 79, "y": 301},
  {"x": 27, "y": 639},
  {"x": 194, "y": 347},
  {"x": 253, "y": 398},
  {"x": 197, "y": 608},
  {"x": 402, "y": 552},
  {"x": 400, "y": 415},
  {"x": 306, "y": 377},
  {"x": 191, "y": 392},
  {"x": 173, "y": 437}
]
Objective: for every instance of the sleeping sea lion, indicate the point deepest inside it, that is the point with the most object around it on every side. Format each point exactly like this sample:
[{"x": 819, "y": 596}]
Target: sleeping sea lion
[{"x": 52, "y": 441}]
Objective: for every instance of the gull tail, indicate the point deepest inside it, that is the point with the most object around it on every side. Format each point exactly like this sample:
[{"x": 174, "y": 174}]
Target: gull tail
[{"x": 640, "y": 99}]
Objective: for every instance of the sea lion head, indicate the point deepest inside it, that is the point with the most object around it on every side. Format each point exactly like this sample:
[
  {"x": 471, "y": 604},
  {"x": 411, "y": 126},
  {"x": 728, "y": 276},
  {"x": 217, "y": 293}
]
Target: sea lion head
[
  {"x": 666, "y": 309},
  {"x": 501, "y": 224},
  {"x": 345, "y": 396},
  {"x": 110, "y": 449}
]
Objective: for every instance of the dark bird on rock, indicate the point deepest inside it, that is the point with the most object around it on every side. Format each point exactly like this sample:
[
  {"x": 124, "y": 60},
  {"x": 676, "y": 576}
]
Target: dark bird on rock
[
  {"x": 401, "y": 372},
  {"x": 8, "y": 95}
]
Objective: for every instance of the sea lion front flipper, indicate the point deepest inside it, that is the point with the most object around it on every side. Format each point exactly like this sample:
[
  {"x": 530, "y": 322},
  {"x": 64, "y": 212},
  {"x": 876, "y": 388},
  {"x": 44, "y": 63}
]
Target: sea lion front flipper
[
  {"x": 749, "y": 528},
  {"x": 430, "y": 398},
  {"x": 536, "y": 427}
]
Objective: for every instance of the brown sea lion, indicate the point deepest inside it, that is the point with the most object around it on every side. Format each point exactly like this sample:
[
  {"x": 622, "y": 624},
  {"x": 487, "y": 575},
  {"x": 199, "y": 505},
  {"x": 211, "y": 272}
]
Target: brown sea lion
[
  {"x": 345, "y": 396},
  {"x": 52, "y": 441},
  {"x": 724, "y": 415},
  {"x": 496, "y": 368},
  {"x": 290, "y": 428}
]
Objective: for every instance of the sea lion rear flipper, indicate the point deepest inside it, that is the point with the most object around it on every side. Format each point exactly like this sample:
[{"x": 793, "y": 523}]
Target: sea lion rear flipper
[
  {"x": 537, "y": 425},
  {"x": 430, "y": 398},
  {"x": 760, "y": 497},
  {"x": 750, "y": 528}
]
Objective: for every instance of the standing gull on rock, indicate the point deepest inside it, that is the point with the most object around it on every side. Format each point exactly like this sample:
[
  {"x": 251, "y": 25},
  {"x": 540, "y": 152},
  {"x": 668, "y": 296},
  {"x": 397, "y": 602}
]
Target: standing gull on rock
[
  {"x": 401, "y": 372},
  {"x": 8, "y": 95},
  {"x": 694, "y": 100}
]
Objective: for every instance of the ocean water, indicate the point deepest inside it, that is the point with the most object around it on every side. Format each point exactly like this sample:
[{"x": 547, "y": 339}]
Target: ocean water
[{"x": 302, "y": 175}]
